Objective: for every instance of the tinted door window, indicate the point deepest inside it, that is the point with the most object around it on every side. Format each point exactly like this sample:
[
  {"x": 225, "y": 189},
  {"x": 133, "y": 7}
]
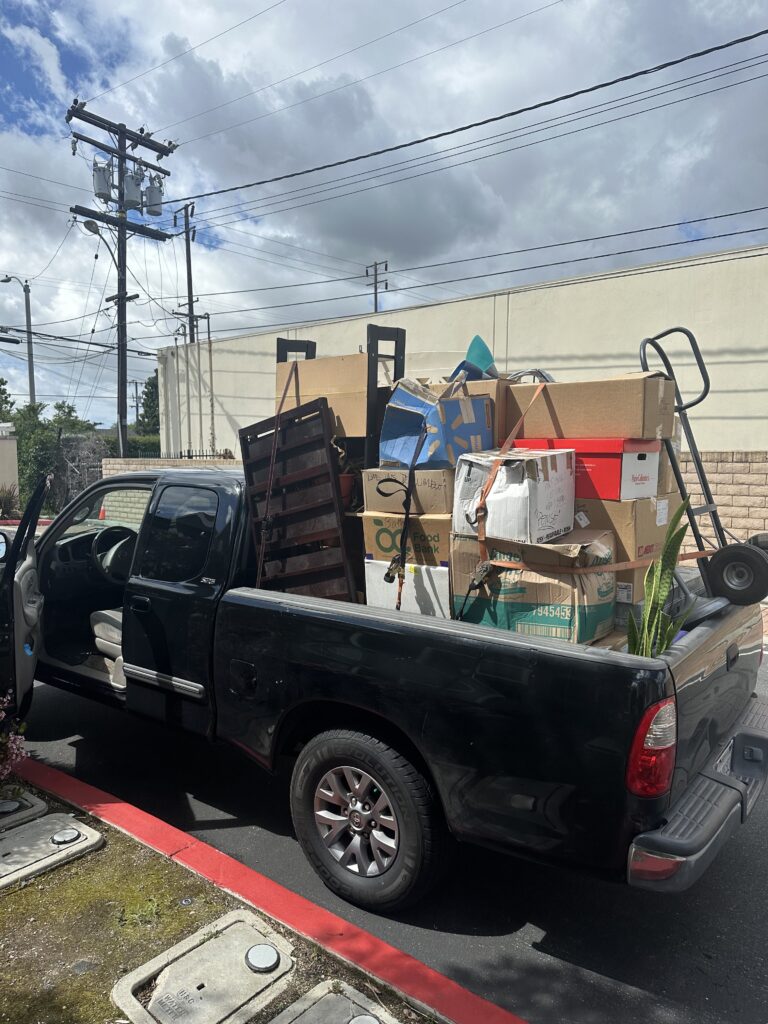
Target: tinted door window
[{"x": 179, "y": 534}]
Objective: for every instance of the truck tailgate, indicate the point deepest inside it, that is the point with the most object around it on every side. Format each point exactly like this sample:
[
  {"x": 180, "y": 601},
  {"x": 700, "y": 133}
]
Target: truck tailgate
[{"x": 714, "y": 670}]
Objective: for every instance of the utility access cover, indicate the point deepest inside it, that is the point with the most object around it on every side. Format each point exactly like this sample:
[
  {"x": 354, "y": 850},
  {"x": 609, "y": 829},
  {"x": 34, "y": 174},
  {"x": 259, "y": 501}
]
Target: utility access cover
[
  {"x": 44, "y": 843},
  {"x": 333, "y": 1002},
  {"x": 222, "y": 974},
  {"x": 18, "y": 809}
]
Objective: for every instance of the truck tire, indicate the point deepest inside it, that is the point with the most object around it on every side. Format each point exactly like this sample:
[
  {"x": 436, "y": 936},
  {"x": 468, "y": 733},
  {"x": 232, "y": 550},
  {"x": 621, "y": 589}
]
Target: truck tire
[
  {"x": 739, "y": 572},
  {"x": 367, "y": 820}
]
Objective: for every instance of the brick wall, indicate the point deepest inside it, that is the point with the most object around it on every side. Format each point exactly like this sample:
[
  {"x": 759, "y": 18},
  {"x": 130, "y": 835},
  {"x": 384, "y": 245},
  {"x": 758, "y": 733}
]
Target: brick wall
[
  {"x": 739, "y": 482},
  {"x": 128, "y": 506}
]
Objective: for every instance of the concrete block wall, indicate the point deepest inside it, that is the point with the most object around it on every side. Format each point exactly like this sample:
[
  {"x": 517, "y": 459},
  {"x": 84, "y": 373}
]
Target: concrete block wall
[{"x": 739, "y": 482}]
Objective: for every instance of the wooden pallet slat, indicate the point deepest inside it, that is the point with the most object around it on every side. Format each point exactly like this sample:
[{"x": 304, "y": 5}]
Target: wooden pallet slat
[{"x": 294, "y": 505}]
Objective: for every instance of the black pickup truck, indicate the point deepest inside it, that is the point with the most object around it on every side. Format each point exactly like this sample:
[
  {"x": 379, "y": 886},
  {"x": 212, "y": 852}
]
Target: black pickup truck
[{"x": 404, "y": 730}]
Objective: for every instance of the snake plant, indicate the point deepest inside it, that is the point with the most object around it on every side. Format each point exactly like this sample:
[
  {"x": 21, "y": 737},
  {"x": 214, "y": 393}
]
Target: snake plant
[{"x": 656, "y": 629}]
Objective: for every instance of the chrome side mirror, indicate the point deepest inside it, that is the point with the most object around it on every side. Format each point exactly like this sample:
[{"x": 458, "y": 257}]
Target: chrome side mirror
[{"x": 4, "y": 547}]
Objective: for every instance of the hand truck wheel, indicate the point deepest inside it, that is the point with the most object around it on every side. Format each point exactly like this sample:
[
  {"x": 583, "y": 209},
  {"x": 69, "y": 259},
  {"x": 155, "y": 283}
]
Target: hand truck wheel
[{"x": 739, "y": 572}]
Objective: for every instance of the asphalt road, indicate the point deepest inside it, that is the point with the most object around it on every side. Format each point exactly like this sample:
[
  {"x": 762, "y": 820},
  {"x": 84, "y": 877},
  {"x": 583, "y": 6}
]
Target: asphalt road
[{"x": 549, "y": 945}]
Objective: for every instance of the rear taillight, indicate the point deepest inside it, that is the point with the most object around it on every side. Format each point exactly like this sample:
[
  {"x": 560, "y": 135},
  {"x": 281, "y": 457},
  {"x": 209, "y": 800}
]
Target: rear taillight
[{"x": 652, "y": 756}]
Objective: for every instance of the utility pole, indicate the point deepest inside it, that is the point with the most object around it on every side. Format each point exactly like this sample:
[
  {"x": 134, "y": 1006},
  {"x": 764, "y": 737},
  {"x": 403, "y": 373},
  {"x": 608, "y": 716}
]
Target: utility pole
[
  {"x": 136, "y": 398},
  {"x": 30, "y": 355},
  {"x": 189, "y": 236},
  {"x": 210, "y": 382},
  {"x": 151, "y": 198},
  {"x": 373, "y": 270}
]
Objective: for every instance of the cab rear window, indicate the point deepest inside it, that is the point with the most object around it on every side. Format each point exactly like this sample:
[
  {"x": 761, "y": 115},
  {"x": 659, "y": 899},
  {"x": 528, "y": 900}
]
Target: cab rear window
[{"x": 179, "y": 534}]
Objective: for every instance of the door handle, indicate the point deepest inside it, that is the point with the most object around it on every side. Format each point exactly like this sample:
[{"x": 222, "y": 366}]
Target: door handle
[{"x": 140, "y": 604}]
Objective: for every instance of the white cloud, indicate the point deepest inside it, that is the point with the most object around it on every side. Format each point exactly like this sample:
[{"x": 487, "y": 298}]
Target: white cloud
[{"x": 660, "y": 166}]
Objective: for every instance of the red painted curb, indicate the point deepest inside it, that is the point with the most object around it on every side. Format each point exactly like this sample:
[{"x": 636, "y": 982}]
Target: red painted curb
[{"x": 359, "y": 947}]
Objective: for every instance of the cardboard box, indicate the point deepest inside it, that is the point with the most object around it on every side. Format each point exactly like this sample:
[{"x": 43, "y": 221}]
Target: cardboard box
[
  {"x": 384, "y": 490},
  {"x": 494, "y": 389},
  {"x": 638, "y": 405},
  {"x": 615, "y": 640},
  {"x": 639, "y": 527},
  {"x": 454, "y": 426},
  {"x": 531, "y": 500},
  {"x": 556, "y": 604},
  {"x": 343, "y": 380},
  {"x": 426, "y": 590},
  {"x": 667, "y": 482},
  {"x": 615, "y": 469},
  {"x": 429, "y": 538}
]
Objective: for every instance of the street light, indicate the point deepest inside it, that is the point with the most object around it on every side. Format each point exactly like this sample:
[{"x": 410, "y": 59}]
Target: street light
[{"x": 30, "y": 359}]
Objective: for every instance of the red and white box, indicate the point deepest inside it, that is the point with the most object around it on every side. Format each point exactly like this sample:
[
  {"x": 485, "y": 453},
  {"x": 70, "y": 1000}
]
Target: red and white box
[{"x": 611, "y": 468}]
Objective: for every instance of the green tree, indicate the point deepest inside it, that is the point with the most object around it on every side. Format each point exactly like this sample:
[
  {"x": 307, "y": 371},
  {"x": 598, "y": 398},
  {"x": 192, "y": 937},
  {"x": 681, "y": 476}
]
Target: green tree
[
  {"x": 37, "y": 445},
  {"x": 6, "y": 402},
  {"x": 149, "y": 419},
  {"x": 65, "y": 418}
]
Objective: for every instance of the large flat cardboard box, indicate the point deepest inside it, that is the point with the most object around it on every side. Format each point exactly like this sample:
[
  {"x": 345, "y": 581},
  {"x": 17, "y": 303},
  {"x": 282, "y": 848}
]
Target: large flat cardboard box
[
  {"x": 426, "y": 589},
  {"x": 384, "y": 490},
  {"x": 494, "y": 389},
  {"x": 639, "y": 527},
  {"x": 530, "y": 501},
  {"x": 343, "y": 381},
  {"x": 640, "y": 405},
  {"x": 429, "y": 538},
  {"x": 453, "y": 425},
  {"x": 612, "y": 468},
  {"x": 549, "y": 601}
]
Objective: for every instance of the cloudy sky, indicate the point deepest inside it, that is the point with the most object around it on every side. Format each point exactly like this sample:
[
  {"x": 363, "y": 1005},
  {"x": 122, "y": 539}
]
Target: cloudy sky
[{"x": 298, "y": 83}]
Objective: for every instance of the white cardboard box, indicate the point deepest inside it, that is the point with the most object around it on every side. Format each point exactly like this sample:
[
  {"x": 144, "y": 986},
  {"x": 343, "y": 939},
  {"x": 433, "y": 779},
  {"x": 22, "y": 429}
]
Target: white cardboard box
[
  {"x": 531, "y": 501},
  {"x": 426, "y": 590},
  {"x": 639, "y": 475}
]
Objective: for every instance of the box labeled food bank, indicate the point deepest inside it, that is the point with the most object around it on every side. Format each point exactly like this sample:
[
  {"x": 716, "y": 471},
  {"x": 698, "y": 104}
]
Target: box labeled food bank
[
  {"x": 544, "y": 599},
  {"x": 638, "y": 405},
  {"x": 530, "y": 501},
  {"x": 384, "y": 490},
  {"x": 615, "y": 469},
  {"x": 453, "y": 426},
  {"x": 639, "y": 527},
  {"x": 428, "y": 537},
  {"x": 426, "y": 589}
]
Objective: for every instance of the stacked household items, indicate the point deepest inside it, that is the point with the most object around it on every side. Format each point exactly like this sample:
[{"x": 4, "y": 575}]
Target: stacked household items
[
  {"x": 510, "y": 504},
  {"x": 581, "y": 483}
]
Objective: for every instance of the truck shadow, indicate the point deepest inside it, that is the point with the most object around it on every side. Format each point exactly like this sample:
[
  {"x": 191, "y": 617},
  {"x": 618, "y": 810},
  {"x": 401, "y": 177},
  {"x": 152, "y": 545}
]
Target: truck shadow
[{"x": 570, "y": 943}]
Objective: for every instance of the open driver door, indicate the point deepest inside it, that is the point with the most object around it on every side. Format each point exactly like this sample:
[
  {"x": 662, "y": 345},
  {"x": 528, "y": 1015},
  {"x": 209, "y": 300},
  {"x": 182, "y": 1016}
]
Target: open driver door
[{"x": 21, "y": 606}]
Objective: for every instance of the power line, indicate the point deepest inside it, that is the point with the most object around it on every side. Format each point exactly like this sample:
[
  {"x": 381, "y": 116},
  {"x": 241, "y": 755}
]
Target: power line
[
  {"x": 488, "y": 120},
  {"x": 314, "y": 67},
  {"x": 189, "y": 49},
  {"x": 260, "y": 213},
  {"x": 530, "y": 129},
  {"x": 50, "y": 181},
  {"x": 58, "y": 250},
  {"x": 373, "y": 74}
]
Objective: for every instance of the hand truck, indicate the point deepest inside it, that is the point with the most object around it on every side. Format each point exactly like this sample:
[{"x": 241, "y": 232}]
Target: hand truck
[{"x": 736, "y": 571}]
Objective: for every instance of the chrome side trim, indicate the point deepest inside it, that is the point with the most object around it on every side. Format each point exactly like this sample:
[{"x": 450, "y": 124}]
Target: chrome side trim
[{"x": 185, "y": 687}]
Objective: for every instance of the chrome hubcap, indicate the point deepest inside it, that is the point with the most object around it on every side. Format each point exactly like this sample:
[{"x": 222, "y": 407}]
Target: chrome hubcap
[
  {"x": 356, "y": 821},
  {"x": 738, "y": 576}
]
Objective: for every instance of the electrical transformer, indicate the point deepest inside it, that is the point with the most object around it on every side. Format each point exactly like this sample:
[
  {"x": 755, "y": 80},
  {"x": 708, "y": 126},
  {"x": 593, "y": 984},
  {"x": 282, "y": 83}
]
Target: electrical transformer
[
  {"x": 102, "y": 180},
  {"x": 153, "y": 197},
  {"x": 132, "y": 188}
]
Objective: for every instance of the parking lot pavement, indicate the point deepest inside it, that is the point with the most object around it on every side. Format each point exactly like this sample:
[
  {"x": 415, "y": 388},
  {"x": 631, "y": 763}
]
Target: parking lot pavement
[{"x": 550, "y": 945}]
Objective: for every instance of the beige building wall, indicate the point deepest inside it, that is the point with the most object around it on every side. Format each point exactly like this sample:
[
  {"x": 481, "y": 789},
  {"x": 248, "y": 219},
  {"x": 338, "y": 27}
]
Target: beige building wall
[
  {"x": 9, "y": 465},
  {"x": 578, "y": 329}
]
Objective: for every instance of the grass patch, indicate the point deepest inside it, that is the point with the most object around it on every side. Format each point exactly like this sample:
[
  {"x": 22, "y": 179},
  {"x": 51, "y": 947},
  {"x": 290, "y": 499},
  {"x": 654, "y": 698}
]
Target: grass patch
[{"x": 67, "y": 936}]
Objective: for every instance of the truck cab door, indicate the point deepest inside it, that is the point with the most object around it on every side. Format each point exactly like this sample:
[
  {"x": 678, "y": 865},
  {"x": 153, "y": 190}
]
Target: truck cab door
[
  {"x": 179, "y": 572},
  {"x": 21, "y": 606}
]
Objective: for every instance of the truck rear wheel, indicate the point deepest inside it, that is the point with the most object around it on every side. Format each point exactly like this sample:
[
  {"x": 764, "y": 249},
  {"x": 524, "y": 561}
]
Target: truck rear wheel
[
  {"x": 739, "y": 572},
  {"x": 366, "y": 819}
]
